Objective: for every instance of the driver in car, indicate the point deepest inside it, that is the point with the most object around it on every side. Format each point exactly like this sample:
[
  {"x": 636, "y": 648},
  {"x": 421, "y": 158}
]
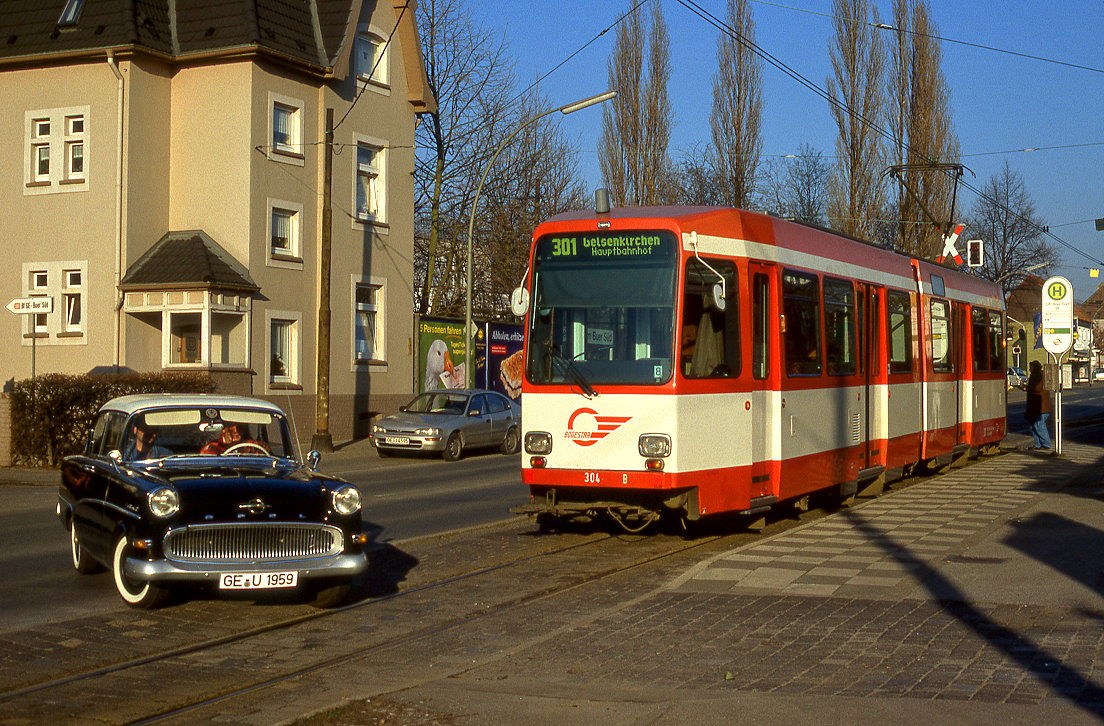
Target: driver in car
[{"x": 231, "y": 436}]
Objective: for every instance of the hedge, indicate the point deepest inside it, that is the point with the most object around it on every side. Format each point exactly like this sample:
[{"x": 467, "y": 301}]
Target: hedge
[{"x": 52, "y": 414}]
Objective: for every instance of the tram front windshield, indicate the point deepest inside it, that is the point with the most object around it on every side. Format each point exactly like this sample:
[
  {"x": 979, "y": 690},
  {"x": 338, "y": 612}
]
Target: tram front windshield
[{"x": 603, "y": 309}]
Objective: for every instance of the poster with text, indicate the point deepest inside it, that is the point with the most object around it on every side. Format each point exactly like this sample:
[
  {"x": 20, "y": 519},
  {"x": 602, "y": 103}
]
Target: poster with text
[{"x": 440, "y": 354}]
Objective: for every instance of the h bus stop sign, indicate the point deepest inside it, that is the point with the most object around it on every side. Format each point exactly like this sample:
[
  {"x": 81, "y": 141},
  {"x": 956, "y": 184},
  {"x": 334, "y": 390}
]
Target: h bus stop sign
[{"x": 1057, "y": 315}]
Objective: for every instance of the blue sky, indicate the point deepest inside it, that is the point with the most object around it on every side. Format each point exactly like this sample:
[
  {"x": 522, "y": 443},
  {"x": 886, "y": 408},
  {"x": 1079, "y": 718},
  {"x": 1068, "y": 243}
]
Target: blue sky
[{"x": 1000, "y": 102}]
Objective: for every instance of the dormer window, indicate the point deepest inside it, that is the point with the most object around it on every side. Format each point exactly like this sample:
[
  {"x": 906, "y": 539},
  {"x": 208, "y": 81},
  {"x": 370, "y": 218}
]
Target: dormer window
[{"x": 71, "y": 13}]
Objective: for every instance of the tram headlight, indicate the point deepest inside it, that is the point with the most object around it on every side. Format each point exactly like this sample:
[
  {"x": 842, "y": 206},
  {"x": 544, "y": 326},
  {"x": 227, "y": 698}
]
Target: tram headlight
[
  {"x": 538, "y": 442},
  {"x": 653, "y": 445}
]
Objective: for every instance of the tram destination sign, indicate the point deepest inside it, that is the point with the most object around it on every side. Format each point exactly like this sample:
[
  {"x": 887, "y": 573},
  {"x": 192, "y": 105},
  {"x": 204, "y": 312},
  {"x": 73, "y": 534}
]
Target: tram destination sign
[
  {"x": 606, "y": 246},
  {"x": 1057, "y": 315}
]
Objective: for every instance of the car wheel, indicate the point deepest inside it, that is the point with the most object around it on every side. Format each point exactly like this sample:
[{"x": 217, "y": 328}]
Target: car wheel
[
  {"x": 82, "y": 561},
  {"x": 141, "y": 595},
  {"x": 454, "y": 447},
  {"x": 512, "y": 442}
]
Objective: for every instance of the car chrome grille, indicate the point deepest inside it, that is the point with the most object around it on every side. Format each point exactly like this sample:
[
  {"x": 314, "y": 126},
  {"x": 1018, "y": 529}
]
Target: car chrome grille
[{"x": 252, "y": 542}]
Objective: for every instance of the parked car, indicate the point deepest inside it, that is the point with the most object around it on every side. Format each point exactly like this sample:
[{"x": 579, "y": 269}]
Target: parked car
[
  {"x": 178, "y": 491},
  {"x": 451, "y": 421},
  {"x": 1017, "y": 379},
  {"x": 1098, "y": 374}
]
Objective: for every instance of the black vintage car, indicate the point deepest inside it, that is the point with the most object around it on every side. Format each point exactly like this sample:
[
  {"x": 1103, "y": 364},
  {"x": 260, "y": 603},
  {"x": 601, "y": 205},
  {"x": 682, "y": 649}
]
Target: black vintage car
[{"x": 205, "y": 491}]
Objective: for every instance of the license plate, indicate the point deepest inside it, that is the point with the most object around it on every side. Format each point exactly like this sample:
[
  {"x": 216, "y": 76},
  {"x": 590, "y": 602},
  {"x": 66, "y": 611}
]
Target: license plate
[
  {"x": 257, "y": 580},
  {"x": 396, "y": 440}
]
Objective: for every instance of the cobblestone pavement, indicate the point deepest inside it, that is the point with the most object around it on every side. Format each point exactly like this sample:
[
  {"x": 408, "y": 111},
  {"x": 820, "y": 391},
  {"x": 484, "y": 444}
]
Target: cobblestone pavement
[{"x": 974, "y": 597}]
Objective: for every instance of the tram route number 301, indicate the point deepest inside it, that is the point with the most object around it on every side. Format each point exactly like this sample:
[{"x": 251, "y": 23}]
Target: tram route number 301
[{"x": 594, "y": 477}]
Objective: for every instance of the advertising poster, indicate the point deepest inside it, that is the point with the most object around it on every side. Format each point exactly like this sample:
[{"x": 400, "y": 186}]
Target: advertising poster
[
  {"x": 440, "y": 354},
  {"x": 504, "y": 365}
]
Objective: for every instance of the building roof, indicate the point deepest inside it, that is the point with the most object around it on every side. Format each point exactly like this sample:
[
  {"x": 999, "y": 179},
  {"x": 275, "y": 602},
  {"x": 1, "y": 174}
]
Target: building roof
[
  {"x": 310, "y": 32},
  {"x": 188, "y": 259}
]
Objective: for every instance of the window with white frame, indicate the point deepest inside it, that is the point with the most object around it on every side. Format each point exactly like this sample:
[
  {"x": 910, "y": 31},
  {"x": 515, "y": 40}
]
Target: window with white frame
[
  {"x": 368, "y": 322},
  {"x": 285, "y": 232},
  {"x": 371, "y": 58},
  {"x": 65, "y": 284},
  {"x": 369, "y": 185},
  {"x": 72, "y": 301},
  {"x": 56, "y": 157},
  {"x": 285, "y": 128},
  {"x": 283, "y": 341},
  {"x": 74, "y": 147}
]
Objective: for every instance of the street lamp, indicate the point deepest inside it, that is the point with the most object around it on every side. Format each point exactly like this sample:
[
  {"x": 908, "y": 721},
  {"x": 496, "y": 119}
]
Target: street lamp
[{"x": 469, "y": 333}]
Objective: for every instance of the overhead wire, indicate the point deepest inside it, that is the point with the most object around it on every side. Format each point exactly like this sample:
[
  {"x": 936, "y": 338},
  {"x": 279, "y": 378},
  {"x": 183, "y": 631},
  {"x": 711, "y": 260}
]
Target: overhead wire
[{"x": 723, "y": 27}]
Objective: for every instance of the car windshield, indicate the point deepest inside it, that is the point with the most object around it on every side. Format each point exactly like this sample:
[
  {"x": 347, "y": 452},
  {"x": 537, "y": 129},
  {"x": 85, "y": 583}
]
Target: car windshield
[
  {"x": 206, "y": 432},
  {"x": 439, "y": 402}
]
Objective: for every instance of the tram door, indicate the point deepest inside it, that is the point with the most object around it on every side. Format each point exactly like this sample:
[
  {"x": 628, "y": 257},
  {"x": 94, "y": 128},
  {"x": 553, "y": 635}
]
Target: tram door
[
  {"x": 766, "y": 397},
  {"x": 872, "y": 370}
]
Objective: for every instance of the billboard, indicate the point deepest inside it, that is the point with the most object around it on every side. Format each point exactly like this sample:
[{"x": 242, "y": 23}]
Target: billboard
[
  {"x": 440, "y": 354},
  {"x": 499, "y": 365}
]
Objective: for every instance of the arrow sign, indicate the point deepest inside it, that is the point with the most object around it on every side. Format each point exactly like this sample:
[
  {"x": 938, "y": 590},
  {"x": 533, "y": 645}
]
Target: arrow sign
[{"x": 27, "y": 305}]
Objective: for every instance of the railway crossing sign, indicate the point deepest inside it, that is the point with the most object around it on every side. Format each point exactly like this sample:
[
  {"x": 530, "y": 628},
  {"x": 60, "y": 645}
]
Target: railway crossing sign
[
  {"x": 949, "y": 249},
  {"x": 1057, "y": 315}
]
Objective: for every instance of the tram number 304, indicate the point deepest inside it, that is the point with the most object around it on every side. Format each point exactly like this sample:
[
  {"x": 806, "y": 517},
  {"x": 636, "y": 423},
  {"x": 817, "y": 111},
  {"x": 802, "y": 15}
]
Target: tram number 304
[{"x": 594, "y": 477}]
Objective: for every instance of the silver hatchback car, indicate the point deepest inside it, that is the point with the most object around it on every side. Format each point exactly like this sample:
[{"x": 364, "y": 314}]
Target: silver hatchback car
[{"x": 450, "y": 421}]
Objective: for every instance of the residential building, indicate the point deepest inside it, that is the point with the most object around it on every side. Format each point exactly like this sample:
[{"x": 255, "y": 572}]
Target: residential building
[{"x": 165, "y": 186}]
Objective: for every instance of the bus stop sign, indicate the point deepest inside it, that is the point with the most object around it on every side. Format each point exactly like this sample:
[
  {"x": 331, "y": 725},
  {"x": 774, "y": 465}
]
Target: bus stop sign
[{"x": 1057, "y": 315}]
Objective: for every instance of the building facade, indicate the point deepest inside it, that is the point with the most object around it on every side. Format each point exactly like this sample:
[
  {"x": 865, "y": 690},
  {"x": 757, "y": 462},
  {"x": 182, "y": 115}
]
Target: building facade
[{"x": 170, "y": 193}]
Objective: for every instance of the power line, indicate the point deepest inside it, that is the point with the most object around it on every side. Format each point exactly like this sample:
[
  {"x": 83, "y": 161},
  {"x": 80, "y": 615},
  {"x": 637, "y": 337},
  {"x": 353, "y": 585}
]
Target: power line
[
  {"x": 723, "y": 27},
  {"x": 884, "y": 26}
]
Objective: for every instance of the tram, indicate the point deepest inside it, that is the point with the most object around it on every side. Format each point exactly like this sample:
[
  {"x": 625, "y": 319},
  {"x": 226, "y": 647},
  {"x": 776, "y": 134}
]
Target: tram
[{"x": 693, "y": 361}]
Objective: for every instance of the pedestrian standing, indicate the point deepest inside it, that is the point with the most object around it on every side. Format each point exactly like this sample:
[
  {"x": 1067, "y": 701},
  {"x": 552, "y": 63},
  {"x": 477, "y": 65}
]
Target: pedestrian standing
[{"x": 1038, "y": 406}]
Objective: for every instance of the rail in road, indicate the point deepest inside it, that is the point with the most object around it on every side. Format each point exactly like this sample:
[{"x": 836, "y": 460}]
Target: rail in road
[{"x": 187, "y": 677}]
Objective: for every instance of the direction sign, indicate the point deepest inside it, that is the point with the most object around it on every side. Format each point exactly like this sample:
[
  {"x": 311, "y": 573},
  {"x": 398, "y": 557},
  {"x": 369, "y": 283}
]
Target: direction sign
[
  {"x": 1057, "y": 315},
  {"x": 27, "y": 305}
]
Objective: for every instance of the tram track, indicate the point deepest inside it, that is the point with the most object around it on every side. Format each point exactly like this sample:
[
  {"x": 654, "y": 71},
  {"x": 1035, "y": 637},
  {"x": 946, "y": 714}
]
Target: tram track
[{"x": 620, "y": 553}]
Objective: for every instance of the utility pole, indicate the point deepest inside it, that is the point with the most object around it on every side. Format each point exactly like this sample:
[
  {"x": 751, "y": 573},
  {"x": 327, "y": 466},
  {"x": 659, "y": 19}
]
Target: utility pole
[{"x": 322, "y": 440}]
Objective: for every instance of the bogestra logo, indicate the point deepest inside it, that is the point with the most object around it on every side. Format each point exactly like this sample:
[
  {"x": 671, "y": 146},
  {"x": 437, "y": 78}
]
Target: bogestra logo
[{"x": 586, "y": 428}]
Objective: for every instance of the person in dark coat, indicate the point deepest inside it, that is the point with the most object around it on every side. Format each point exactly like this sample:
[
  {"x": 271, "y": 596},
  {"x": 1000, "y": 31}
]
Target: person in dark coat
[{"x": 1038, "y": 406}]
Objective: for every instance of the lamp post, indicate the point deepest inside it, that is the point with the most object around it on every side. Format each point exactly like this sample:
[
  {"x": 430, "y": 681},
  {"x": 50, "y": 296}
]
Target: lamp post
[{"x": 469, "y": 332}]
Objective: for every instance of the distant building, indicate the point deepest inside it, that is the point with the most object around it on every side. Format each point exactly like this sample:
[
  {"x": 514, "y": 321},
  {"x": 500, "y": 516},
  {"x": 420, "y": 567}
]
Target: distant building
[{"x": 168, "y": 193}]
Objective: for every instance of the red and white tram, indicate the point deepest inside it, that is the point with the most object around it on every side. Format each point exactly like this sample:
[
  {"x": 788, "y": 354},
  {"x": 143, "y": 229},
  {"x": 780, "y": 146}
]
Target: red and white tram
[{"x": 693, "y": 361}]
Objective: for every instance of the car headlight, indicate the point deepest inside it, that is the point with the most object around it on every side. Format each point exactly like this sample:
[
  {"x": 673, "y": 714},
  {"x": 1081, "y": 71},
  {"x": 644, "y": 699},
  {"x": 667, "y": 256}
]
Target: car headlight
[
  {"x": 376, "y": 428},
  {"x": 164, "y": 502},
  {"x": 538, "y": 442},
  {"x": 428, "y": 432},
  {"x": 346, "y": 499},
  {"x": 653, "y": 445}
]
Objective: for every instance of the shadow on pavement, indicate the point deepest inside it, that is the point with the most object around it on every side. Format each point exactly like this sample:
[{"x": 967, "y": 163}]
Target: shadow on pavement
[{"x": 1048, "y": 668}]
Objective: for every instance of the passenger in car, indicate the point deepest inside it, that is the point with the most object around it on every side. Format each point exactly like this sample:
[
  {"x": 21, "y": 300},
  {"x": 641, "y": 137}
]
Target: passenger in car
[{"x": 142, "y": 444}]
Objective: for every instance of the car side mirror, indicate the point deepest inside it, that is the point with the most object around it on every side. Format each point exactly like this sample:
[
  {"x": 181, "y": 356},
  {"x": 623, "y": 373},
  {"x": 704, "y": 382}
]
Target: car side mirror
[
  {"x": 116, "y": 457},
  {"x": 403, "y": 408},
  {"x": 474, "y": 412},
  {"x": 313, "y": 458}
]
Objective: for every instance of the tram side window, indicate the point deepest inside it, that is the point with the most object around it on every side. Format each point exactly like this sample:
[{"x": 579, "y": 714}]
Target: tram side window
[
  {"x": 941, "y": 336},
  {"x": 710, "y": 337},
  {"x": 801, "y": 307},
  {"x": 839, "y": 326},
  {"x": 899, "y": 320},
  {"x": 996, "y": 338},
  {"x": 979, "y": 334},
  {"x": 760, "y": 355}
]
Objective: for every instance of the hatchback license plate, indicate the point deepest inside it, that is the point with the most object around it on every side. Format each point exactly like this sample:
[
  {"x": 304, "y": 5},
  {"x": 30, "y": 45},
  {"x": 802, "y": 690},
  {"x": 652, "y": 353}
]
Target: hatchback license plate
[
  {"x": 258, "y": 580},
  {"x": 396, "y": 440}
]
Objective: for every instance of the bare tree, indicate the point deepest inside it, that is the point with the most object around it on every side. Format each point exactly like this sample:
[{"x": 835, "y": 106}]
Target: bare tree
[
  {"x": 736, "y": 122},
  {"x": 922, "y": 129},
  {"x": 472, "y": 79},
  {"x": 694, "y": 178},
  {"x": 797, "y": 187},
  {"x": 636, "y": 128},
  {"x": 535, "y": 177},
  {"x": 1004, "y": 218},
  {"x": 856, "y": 190}
]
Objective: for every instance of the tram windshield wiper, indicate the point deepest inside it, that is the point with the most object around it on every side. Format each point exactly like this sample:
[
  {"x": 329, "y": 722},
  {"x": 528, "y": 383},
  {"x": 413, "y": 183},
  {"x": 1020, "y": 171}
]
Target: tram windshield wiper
[{"x": 573, "y": 372}]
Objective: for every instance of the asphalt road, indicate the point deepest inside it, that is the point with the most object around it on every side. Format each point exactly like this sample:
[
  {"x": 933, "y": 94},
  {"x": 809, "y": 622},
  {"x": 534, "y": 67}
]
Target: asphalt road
[{"x": 403, "y": 499}]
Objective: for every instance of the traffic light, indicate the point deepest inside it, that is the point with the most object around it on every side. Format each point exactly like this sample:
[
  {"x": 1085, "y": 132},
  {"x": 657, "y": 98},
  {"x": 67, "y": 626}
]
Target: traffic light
[{"x": 975, "y": 253}]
